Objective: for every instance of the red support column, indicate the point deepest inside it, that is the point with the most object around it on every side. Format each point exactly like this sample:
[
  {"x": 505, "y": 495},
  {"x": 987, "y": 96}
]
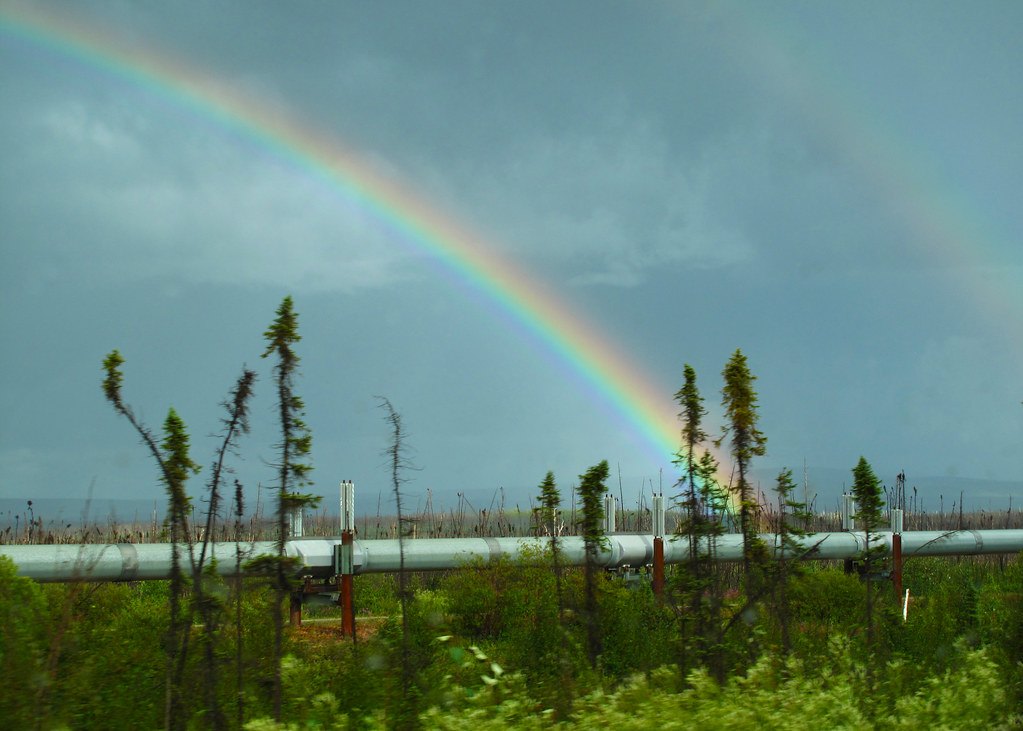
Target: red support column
[
  {"x": 897, "y": 565},
  {"x": 658, "y": 583},
  {"x": 344, "y": 560},
  {"x": 657, "y": 528},
  {"x": 897, "y": 552},
  {"x": 345, "y": 587},
  {"x": 295, "y": 616}
]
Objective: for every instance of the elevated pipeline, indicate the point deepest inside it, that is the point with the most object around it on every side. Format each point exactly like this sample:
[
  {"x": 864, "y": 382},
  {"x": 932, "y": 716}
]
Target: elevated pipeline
[{"x": 147, "y": 561}]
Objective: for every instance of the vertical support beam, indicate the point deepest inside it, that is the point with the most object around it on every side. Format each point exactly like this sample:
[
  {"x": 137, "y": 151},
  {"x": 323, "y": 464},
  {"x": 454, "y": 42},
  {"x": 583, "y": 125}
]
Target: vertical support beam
[
  {"x": 657, "y": 522},
  {"x": 897, "y": 552},
  {"x": 609, "y": 513},
  {"x": 848, "y": 511},
  {"x": 345, "y": 586},
  {"x": 294, "y": 518},
  {"x": 848, "y": 524},
  {"x": 658, "y": 580},
  {"x": 347, "y": 505},
  {"x": 344, "y": 561},
  {"x": 658, "y": 531}
]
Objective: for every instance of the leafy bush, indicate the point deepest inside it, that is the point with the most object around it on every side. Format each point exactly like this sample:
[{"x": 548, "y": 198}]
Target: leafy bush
[
  {"x": 639, "y": 631},
  {"x": 954, "y": 664},
  {"x": 776, "y": 693},
  {"x": 24, "y": 642}
]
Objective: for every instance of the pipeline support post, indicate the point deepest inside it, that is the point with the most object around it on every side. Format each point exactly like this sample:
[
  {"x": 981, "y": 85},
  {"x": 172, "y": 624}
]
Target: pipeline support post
[
  {"x": 610, "y": 507},
  {"x": 344, "y": 560},
  {"x": 295, "y": 609},
  {"x": 897, "y": 552},
  {"x": 658, "y": 531},
  {"x": 848, "y": 523}
]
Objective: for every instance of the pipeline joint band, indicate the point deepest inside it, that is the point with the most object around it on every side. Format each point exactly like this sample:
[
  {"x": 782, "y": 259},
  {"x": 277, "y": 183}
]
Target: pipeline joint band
[
  {"x": 495, "y": 549},
  {"x": 129, "y": 561},
  {"x": 980, "y": 541}
]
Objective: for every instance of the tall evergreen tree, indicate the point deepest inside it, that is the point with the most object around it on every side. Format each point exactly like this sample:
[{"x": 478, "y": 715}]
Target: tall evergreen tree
[
  {"x": 698, "y": 528},
  {"x": 292, "y": 468},
  {"x": 550, "y": 503},
  {"x": 179, "y": 467},
  {"x": 715, "y": 499},
  {"x": 866, "y": 489},
  {"x": 591, "y": 491},
  {"x": 792, "y": 517},
  {"x": 693, "y": 435},
  {"x": 745, "y": 442}
]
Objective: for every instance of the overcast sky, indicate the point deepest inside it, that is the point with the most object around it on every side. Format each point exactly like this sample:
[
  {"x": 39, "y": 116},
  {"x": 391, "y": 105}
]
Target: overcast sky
[{"x": 834, "y": 188}]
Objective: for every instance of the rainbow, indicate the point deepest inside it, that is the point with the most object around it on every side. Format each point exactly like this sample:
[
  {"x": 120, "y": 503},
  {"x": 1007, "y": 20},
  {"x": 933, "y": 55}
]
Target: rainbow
[
  {"x": 620, "y": 385},
  {"x": 938, "y": 218}
]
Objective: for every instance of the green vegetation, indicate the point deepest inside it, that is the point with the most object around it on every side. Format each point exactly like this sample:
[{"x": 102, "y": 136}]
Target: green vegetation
[{"x": 489, "y": 649}]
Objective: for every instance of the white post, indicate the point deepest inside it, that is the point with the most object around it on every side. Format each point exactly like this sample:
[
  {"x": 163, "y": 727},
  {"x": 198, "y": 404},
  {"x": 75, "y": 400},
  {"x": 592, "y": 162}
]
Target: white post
[
  {"x": 296, "y": 522},
  {"x": 609, "y": 513},
  {"x": 347, "y": 506},
  {"x": 658, "y": 516},
  {"x": 896, "y": 520},
  {"x": 848, "y": 510}
]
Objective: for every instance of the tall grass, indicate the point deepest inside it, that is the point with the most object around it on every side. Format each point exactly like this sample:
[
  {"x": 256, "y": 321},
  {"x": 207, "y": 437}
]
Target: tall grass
[{"x": 462, "y": 521}]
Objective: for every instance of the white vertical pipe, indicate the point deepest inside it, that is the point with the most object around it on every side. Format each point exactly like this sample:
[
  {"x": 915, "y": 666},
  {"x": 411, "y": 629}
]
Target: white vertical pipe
[
  {"x": 347, "y": 506},
  {"x": 848, "y": 511},
  {"x": 296, "y": 522},
  {"x": 609, "y": 513},
  {"x": 658, "y": 516},
  {"x": 896, "y": 520}
]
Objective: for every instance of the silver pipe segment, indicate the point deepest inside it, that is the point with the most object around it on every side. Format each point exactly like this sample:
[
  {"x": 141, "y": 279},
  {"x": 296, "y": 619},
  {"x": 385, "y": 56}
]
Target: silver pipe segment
[
  {"x": 120, "y": 561},
  {"x": 145, "y": 561}
]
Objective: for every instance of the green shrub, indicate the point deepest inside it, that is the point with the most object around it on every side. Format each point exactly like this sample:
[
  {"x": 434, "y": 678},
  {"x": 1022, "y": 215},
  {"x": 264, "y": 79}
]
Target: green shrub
[
  {"x": 24, "y": 643},
  {"x": 776, "y": 693},
  {"x": 112, "y": 662},
  {"x": 639, "y": 632}
]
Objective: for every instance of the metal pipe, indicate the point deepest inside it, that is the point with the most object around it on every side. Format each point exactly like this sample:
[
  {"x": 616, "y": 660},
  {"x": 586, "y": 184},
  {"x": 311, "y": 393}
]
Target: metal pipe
[
  {"x": 142, "y": 561},
  {"x": 118, "y": 561}
]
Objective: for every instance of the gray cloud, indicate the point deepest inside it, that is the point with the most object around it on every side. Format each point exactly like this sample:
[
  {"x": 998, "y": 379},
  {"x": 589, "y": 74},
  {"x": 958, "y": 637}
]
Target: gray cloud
[{"x": 833, "y": 189}]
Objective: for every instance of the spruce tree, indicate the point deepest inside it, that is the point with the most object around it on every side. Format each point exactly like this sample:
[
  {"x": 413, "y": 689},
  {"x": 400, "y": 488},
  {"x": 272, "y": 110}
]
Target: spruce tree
[
  {"x": 550, "y": 503},
  {"x": 866, "y": 489},
  {"x": 745, "y": 442},
  {"x": 693, "y": 580},
  {"x": 591, "y": 491},
  {"x": 715, "y": 500},
  {"x": 792, "y": 517},
  {"x": 292, "y": 468},
  {"x": 693, "y": 435}
]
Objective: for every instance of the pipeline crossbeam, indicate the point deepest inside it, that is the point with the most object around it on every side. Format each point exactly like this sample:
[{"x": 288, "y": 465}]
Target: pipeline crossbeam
[{"x": 146, "y": 561}]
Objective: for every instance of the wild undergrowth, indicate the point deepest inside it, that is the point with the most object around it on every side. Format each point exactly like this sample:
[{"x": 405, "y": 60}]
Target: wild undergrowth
[{"x": 488, "y": 648}]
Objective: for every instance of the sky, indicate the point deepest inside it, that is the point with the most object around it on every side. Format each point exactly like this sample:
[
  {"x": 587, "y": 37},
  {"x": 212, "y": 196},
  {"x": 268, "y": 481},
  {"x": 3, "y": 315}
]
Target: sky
[{"x": 518, "y": 222}]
